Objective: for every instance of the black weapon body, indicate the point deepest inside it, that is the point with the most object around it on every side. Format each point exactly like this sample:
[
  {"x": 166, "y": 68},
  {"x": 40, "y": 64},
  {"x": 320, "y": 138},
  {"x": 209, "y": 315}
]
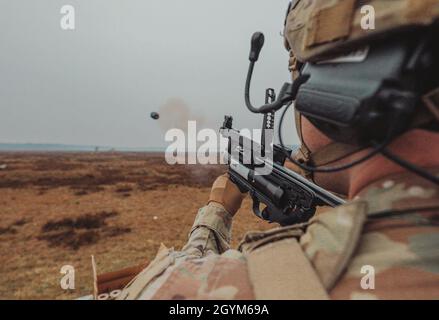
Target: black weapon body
[{"x": 288, "y": 197}]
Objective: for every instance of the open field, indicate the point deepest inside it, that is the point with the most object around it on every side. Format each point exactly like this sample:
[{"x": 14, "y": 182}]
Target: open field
[{"x": 60, "y": 208}]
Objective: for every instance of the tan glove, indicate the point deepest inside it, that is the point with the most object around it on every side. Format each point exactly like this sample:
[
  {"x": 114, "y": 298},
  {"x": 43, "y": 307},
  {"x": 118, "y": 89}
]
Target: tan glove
[{"x": 227, "y": 194}]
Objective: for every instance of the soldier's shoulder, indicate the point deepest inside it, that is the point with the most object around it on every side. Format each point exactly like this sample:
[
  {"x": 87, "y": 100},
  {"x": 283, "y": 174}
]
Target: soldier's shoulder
[
  {"x": 400, "y": 193},
  {"x": 396, "y": 256}
]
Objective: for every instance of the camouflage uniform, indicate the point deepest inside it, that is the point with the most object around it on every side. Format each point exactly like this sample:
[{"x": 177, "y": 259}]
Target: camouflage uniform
[
  {"x": 384, "y": 244},
  {"x": 392, "y": 226}
]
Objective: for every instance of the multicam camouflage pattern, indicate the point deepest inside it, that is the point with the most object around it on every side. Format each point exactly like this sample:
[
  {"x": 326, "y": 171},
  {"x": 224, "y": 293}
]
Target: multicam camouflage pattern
[
  {"x": 312, "y": 35},
  {"x": 203, "y": 273},
  {"x": 205, "y": 268},
  {"x": 392, "y": 227},
  {"x": 210, "y": 233},
  {"x": 400, "y": 241}
]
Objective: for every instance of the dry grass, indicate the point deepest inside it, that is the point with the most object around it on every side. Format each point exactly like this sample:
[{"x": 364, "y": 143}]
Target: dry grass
[{"x": 61, "y": 208}]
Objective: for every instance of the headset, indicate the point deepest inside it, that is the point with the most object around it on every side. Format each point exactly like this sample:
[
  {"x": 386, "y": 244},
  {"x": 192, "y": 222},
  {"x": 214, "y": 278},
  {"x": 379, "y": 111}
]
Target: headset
[{"x": 368, "y": 103}]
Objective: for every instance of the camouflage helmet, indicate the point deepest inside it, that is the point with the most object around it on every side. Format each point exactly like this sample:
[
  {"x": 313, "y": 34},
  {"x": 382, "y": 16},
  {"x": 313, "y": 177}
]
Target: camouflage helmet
[{"x": 315, "y": 29}]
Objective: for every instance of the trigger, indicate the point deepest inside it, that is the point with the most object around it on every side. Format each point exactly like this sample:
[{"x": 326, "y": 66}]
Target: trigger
[{"x": 265, "y": 214}]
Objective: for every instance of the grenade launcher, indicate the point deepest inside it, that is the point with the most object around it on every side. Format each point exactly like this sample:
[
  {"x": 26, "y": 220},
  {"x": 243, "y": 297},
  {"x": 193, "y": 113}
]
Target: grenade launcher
[{"x": 259, "y": 169}]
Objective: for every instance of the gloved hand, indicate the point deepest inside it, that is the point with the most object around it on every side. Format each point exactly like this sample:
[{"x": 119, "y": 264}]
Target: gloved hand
[{"x": 227, "y": 194}]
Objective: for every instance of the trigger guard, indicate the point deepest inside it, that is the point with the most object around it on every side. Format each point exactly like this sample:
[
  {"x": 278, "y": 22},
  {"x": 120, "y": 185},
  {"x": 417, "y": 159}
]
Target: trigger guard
[{"x": 257, "y": 210}]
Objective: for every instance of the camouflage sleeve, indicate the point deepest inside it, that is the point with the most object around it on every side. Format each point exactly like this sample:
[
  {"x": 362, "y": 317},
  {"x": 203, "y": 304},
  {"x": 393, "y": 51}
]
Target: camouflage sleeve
[
  {"x": 168, "y": 275},
  {"x": 210, "y": 233}
]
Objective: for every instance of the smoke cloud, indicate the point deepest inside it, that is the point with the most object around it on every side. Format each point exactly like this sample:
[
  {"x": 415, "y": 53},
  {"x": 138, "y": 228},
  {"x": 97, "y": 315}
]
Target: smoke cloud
[{"x": 175, "y": 114}]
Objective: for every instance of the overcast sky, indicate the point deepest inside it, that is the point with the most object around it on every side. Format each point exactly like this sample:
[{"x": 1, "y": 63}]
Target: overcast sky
[{"x": 98, "y": 84}]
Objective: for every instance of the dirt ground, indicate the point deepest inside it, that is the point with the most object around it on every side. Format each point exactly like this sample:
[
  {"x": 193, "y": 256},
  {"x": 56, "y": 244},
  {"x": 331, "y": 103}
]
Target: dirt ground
[{"x": 58, "y": 209}]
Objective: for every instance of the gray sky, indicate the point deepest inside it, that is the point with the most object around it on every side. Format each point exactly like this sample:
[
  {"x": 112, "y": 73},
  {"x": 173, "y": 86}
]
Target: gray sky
[{"x": 98, "y": 84}]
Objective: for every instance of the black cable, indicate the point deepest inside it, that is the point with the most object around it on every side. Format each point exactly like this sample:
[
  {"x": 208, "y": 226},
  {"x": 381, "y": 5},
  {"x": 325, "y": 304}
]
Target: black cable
[
  {"x": 247, "y": 88},
  {"x": 395, "y": 213},
  {"x": 409, "y": 166},
  {"x": 286, "y": 94},
  {"x": 378, "y": 149}
]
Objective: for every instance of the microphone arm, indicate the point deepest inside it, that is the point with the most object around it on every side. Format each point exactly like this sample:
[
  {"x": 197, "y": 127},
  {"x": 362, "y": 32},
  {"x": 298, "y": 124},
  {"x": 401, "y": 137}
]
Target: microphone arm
[{"x": 288, "y": 91}]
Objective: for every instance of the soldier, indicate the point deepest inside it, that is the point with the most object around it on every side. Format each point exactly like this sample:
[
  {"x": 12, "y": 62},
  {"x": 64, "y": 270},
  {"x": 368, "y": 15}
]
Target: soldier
[{"x": 383, "y": 244}]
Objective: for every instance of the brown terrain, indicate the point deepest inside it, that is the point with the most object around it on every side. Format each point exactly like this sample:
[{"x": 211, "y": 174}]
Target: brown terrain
[{"x": 58, "y": 209}]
